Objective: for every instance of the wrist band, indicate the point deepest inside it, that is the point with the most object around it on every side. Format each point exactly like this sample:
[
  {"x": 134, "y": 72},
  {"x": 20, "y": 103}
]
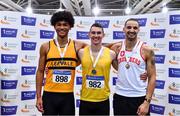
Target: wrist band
[{"x": 148, "y": 100}]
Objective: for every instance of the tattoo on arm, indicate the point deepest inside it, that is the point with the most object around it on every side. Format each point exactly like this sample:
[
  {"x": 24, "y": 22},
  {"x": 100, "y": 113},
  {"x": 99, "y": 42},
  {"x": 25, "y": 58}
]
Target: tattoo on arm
[{"x": 153, "y": 57}]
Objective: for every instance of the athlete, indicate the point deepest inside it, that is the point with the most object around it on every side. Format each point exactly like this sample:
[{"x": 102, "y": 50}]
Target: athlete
[
  {"x": 96, "y": 62},
  {"x": 58, "y": 59},
  {"x": 133, "y": 95}
]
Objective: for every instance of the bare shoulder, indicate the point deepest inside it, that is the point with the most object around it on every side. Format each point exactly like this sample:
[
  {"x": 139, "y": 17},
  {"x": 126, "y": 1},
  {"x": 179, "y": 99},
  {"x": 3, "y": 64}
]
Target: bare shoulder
[
  {"x": 116, "y": 47},
  {"x": 45, "y": 47},
  {"x": 113, "y": 54},
  {"x": 147, "y": 51},
  {"x": 80, "y": 53},
  {"x": 79, "y": 44}
]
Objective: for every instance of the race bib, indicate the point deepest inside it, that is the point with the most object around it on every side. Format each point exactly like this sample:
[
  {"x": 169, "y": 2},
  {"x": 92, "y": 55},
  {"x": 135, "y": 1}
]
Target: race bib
[
  {"x": 61, "y": 76},
  {"x": 95, "y": 82}
]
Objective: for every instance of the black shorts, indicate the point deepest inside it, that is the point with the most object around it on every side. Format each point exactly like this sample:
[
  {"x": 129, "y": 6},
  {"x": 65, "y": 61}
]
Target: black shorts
[
  {"x": 126, "y": 105},
  {"x": 58, "y": 103},
  {"x": 94, "y": 108}
]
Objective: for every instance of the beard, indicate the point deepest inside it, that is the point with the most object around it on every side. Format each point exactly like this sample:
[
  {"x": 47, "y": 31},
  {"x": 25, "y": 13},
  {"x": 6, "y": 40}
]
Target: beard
[{"x": 131, "y": 36}]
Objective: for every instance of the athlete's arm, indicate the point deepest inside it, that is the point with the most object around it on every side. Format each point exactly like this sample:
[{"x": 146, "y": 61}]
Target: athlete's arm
[
  {"x": 116, "y": 47},
  {"x": 79, "y": 45},
  {"x": 151, "y": 72},
  {"x": 40, "y": 76},
  {"x": 80, "y": 54}
]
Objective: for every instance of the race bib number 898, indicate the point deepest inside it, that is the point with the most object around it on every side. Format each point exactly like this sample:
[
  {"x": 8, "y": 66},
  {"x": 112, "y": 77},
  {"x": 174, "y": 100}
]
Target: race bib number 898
[{"x": 61, "y": 76}]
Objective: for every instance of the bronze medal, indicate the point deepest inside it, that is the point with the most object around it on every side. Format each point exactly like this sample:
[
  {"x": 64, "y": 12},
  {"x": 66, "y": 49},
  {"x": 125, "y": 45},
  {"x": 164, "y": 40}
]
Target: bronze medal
[{"x": 127, "y": 66}]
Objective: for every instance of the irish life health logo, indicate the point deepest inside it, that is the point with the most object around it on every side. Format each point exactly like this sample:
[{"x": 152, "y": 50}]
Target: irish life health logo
[
  {"x": 28, "y": 45},
  {"x": 8, "y": 84},
  {"x": 157, "y": 33},
  {"x": 8, "y": 32},
  {"x": 29, "y": 21},
  {"x": 9, "y": 58}
]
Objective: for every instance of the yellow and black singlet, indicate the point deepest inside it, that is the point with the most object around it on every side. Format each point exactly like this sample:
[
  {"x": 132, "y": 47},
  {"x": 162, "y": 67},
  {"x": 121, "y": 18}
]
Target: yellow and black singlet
[
  {"x": 95, "y": 87},
  {"x": 60, "y": 72}
]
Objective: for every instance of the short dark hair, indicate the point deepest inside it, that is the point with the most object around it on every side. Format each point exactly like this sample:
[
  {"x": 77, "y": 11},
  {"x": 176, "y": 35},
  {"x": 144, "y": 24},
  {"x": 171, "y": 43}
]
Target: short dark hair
[
  {"x": 97, "y": 25},
  {"x": 62, "y": 16},
  {"x": 131, "y": 19}
]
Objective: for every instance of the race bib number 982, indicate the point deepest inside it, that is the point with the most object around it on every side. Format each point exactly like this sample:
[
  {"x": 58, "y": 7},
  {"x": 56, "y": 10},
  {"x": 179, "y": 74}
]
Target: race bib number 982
[{"x": 95, "y": 82}]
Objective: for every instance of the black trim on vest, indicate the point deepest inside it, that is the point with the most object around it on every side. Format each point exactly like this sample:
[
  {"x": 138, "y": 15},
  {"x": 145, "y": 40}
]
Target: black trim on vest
[
  {"x": 61, "y": 59},
  {"x": 63, "y": 67}
]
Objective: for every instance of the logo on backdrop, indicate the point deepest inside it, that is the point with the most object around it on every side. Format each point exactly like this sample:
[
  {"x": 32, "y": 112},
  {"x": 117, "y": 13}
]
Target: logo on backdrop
[
  {"x": 174, "y": 60},
  {"x": 175, "y": 33},
  {"x": 82, "y": 35},
  {"x": 174, "y": 72},
  {"x": 28, "y": 58},
  {"x": 28, "y": 107},
  {"x": 9, "y": 45},
  {"x": 142, "y": 21},
  {"x": 103, "y": 23},
  {"x": 157, "y": 109},
  {"x": 44, "y": 34},
  {"x": 7, "y": 71},
  {"x": 8, "y": 110},
  {"x": 77, "y": 103},
  {"x": 45, "y": 23},
  {"x": 9, "y": 58},
  {"x": 156, "y": 97},
  {"x": 118, "y": 35},
  {"x": 28, "y": 95},
  {"x": 114, "y": 79},
  {"x": 9, "y": 97},
  {"x": 83, "y": 24},
  {"x": 159, "y": 46},
  {"x": 8, "y": 84},
  {"x": 28, "y": 34},
  {"x": 174, "y": 19},
  {"x": 78, "y": 80},
  {"x": 160, "y": 84},
  {"x": 174, "y": 99},
  {"x": 118, "y": 24},
  {"x": 8, "y": 32},
  {"x": 157, "y": 33},
  {"x": 157, "y": 21},
  {"x": 174, "y": 112},
  {"x": 159, "y": 59},
  {"x": 174, "y": 86},
  {"x": 29, "y": 21},
  {"x": 174, "y": 46},
  {"x": 5, "y": 20},
  {"x": 28, "y": 83},
  {"x": 28, "y": 70},
  {"x": 8, "y": 20},
  {"x": 28, "y": 45}
]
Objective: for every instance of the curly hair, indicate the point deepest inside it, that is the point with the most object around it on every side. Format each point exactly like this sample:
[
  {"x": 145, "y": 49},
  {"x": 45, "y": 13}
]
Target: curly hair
[{"x": 62, "y": 16}]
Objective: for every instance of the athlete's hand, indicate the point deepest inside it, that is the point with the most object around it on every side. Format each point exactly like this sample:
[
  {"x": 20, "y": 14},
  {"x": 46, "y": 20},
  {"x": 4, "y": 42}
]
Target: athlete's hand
[
  {"x": 143, "y": 109},
  {"x": 144, "y": 76},
  {"x": 39, "y": 104}
]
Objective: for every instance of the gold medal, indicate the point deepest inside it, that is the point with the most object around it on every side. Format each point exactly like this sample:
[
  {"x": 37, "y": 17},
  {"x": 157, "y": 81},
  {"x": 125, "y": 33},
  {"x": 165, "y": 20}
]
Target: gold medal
[{"x": 127, "y": 66}]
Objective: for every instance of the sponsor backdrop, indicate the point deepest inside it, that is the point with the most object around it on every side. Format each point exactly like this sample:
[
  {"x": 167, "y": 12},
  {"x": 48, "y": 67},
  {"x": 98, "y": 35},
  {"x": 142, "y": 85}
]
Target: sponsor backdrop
[{"x": 22, "y": 35}]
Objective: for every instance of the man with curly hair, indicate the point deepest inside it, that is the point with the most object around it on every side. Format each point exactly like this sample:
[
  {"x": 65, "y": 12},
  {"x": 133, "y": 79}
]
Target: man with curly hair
[{"x": 58, "y": 59}]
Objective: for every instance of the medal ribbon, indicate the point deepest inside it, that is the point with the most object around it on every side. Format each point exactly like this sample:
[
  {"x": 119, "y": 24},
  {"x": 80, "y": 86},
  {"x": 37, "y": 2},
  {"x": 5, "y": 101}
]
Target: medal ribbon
[
  {"x": 133, "y": 51},
  {"x": 59, "y": 49},
  {"x": 97, "y": 58}
]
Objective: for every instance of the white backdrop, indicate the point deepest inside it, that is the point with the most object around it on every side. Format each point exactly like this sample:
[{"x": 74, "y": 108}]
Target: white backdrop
[{"x": 22, "y": 35}]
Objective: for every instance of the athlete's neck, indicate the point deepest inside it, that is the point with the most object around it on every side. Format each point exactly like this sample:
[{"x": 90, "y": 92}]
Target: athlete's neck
[
  {"x": 62, "y": 41},
  {"x": 129, "y": 45},
  {"x": 96, "y": 48}
]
